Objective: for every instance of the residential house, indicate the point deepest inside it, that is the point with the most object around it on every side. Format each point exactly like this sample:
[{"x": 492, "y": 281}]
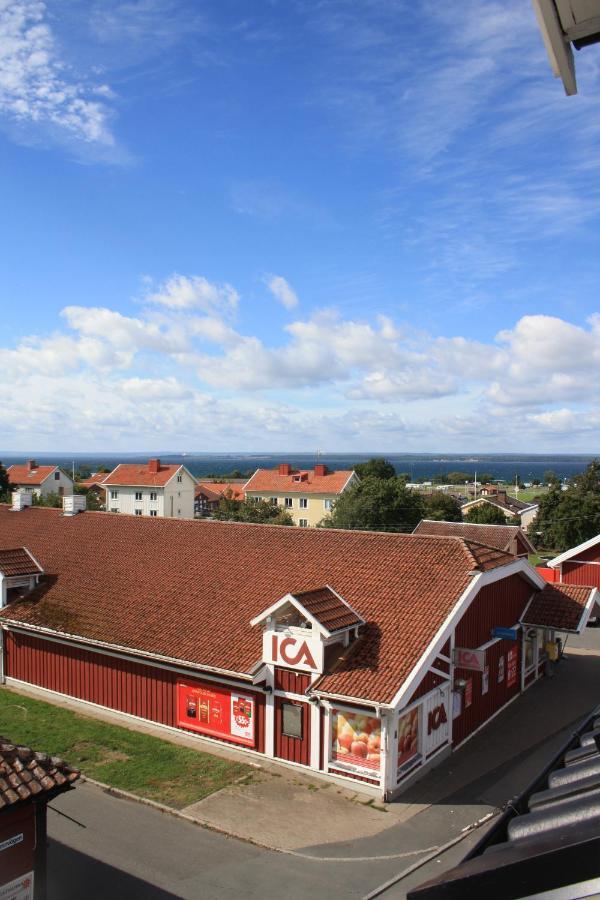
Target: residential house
[
  {"x": 150, "y": 489},
  {"x": 40, "y": 480},
  {"x": 207, "y": 494},
  {"x": 510, "y": 506},
  {"x": 307, "y": 494},
  {"x": 509, "y": 538}
]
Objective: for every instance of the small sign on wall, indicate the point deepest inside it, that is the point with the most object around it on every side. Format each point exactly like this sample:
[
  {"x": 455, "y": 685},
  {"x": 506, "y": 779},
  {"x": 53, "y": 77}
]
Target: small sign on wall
[
  {"x": 485, "y": 680},
  {"x": 20, "y": 888},
  {"x": 468, "y": 692},
  {"x": 501, "y": 670},
  {"x": 456, "y": 704},
  {"x": 511, "y": 667}
]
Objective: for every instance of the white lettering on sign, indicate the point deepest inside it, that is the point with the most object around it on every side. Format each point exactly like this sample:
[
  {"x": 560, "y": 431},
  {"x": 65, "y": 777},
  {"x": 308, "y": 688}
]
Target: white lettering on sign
[
  {"x": 293, "y": 651},
  {"x": 10, "y": 842},
  {"x": 469, "y": 659},
  {"x": 436, "y": 712}
]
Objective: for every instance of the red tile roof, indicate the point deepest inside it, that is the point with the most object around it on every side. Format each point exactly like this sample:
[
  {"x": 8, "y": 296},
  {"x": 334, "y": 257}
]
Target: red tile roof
[
  {"x": 188, "y": 589},
  {"x": 266, "y": 480},
  {"x": 26, "y": 774},
  {"x": 558, "y": 606},
  {"x": 97, "y": 478},
  {"x": 17, "y": 561},
  {"x": 502, "y": 537},
  {"x": 327, "y": 608},
  {"x": 24, "y": 475},
  {"x": 219, "y": 488},
  {"x": 134, "y": 474}
]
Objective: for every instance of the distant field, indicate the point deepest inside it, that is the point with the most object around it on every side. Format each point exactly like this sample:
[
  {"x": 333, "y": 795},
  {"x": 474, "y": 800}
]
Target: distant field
[{"x": 136, "y": 762}]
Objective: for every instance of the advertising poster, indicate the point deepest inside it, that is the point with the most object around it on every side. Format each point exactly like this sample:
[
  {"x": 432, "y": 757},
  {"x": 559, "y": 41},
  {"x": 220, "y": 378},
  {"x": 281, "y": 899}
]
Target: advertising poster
[
  {"x": 355, "y": 740},
  {"x": 501, "y": 670},
  {"x": 216, "y": 711},
  {"x": 456, "y": 704},
  {"x": 468, "y": 692},
  {"x": 20, "y": 888},
  {"x": 511, "y": 667},
  {"x": 485, "y": 680},
  {"x": 408, "y": 737}
]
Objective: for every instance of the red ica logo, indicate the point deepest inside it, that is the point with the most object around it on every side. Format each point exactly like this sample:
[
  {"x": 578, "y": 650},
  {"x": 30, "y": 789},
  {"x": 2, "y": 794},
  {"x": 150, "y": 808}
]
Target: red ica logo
[
  {"x": 436, "y": 718},
  {"x": 285, "y": 651}
]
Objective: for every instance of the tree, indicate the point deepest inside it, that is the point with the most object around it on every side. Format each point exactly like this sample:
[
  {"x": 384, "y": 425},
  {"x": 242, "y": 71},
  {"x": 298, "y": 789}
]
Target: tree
[
  {"x": 377, "y": 503},
  {"x": 4, "y": 484},
  {"x": 551, "y": 478},
  {"x": 486, "y": 514},
  {"x": 230, "y": 510},
  {"x": 568, "y": 518},
  {"x": 442, "y": 507},
  {"x": 51, "y": 499},
  {"x": 377, "y": 467}
]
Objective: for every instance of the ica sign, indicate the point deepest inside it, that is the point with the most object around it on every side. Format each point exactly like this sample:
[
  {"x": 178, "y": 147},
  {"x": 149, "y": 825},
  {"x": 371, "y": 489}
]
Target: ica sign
[{"x": 305, "y": 654}]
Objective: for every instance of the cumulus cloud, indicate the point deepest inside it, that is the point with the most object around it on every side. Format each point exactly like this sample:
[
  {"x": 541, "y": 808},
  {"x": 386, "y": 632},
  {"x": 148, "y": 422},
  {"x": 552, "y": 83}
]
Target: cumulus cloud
[
  {"x": 282, "y": 290},
  {"x": 180, "y": 292},
  {"x": 36, "y": 88}
]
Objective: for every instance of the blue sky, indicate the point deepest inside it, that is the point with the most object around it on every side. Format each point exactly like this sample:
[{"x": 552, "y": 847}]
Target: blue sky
[{"x": 345, "y": 224}]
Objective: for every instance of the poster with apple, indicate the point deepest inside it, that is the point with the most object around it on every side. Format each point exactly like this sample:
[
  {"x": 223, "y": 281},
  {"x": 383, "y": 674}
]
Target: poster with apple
[
  {"x": 408, "y": 737},
  {"x": 356, "y": 739}
]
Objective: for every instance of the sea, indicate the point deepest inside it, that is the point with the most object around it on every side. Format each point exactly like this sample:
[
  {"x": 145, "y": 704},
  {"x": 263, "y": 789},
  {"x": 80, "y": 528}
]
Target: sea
[{"x": 501, "y": 466}]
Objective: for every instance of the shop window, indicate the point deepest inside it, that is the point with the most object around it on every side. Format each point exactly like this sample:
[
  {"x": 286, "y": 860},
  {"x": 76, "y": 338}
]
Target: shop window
[{"x": 291, "y": 725}]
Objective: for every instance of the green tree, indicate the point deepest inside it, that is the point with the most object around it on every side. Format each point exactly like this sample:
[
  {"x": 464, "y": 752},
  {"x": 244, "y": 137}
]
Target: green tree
[
  {"x": 93, "y": 502},
  {"x": 377, "y": 467},
  {"x": 568, "y": 518},
  {"x": 4, "y": 485},
  {"x": 486, "y": 514},
  {"x": 442, "y": 507},
  {"x": 50, "y": 499},
  {"x": 231, "y": 510},
  {"x": 377, "y": 503},
  {"x": 551, "y": 477}
]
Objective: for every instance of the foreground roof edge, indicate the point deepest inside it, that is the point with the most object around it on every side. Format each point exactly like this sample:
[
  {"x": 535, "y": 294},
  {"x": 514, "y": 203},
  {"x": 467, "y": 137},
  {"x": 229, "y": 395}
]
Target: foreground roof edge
[{"x": 567, "y": 554}]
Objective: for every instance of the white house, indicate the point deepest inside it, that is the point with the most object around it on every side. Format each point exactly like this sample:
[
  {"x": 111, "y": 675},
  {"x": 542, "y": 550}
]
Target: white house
[
  {"x": 150, "y": 489},
  {"x": 40, "y": 480}
]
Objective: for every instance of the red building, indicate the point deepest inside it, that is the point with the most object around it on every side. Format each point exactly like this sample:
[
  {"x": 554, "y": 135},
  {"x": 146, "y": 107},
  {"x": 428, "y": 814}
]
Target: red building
[
  {"x": 362, "y": 656},
  {"x": 580, "y": 565}
]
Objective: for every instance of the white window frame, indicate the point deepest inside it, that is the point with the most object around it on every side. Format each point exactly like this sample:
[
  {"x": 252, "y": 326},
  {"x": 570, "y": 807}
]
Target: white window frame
[
  {"x": 288, "y": 502},
  {"x": 273, "y": 501},
  {"x": 303, "y": 523},
  {"x": 138, "y": 512},
  {"x": 114, "y": 495},
  {"x": 303, "y": 503},
  {"x": 153, "y": 513},
  {"x": 153, "y": 495},
  {"x": 328, "y": 504},
  {"x": 139, "y": 496},
  {"x": 180, "y": 478}
]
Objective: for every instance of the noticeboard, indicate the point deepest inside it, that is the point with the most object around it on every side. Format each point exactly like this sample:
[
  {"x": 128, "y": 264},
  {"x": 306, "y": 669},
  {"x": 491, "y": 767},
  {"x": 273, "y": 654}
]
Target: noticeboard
[{"x": 216, "y": 711}]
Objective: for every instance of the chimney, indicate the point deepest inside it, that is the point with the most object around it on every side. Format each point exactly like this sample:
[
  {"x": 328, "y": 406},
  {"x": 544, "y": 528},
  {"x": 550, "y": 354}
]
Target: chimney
[
  {"x": 153, "y": 466},
  {"x": 285, "y": 469},
  {"x": 320, "y": 470},
  {"x": 21, "y": 500},
  {"x": 501, "y": 495},
  {"x": 31, "y": 465},
  {"x": 73, "y": 504}
]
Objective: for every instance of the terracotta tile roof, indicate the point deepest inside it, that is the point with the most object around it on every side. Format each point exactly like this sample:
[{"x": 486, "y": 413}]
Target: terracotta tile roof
[
  {"x": 327, "y": 608},
  {"x": 96, "y": 478},
  {"x": 266, "y": 480},
  {"x": 24, "y": 475},
  {"x": 502, "y": 537},
  {"x": 218, "y": 488},
  {"x": 25, "y": 774},
  {"x": 17, "y": 561},
  {"x": 516, "y": 507},
  {"x": 558, "y": 606},
  {"x": 134, "y": 474},
  {"x": 145, "y": 584}
]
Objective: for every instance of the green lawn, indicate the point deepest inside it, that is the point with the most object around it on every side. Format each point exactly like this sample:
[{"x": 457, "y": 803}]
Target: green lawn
[
  {"x": 140, "y": 763},
  {"x": 529, "y": 494}
]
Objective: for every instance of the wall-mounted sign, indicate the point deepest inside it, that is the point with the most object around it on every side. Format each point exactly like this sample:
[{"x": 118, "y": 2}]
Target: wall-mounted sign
[
  {"x": 11, "y": 841},
  {"x": 507, "y": 634},
  {"x": 501, "y": 670},
  {"x": 293, "y": 651},
  {"x": 20, "y": 888},
  {"x": 511, "y": 667},
  {"x": 355, "y": 740},
  {"x": 217, "y": 711},
  {"x": 436, "y": 715},
  {"x": 485, "y": 680},
  {"x": 408, "y": 739},
  {"x": 468, "y": 692},
  {"x": 469, "y": 659},
  {"x": 456, "y": 704}
]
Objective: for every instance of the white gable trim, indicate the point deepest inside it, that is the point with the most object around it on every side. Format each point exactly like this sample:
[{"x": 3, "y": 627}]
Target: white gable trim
[
  {"x": 289, "y": 598},
  {"x": 480, "y": 579},
  {"x": 177, "y": 471},
  {"x": 580, "y": 548}
]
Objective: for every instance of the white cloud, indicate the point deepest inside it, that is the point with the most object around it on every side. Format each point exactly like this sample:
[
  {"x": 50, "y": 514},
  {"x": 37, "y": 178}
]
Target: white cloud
[
  {"x": 282, "y": 290},
  {"x": 36, "y": 88},
  {"x": 181, "y": 292}
]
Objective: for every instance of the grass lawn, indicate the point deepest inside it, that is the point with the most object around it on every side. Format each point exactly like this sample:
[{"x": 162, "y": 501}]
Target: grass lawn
[
  {"x": 529, "y": 494},
  {"x": 140, "y": 763}
]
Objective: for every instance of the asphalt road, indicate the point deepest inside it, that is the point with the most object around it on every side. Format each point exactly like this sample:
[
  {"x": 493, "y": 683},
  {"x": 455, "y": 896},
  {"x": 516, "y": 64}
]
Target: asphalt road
[{"x": 112, "y": 848}]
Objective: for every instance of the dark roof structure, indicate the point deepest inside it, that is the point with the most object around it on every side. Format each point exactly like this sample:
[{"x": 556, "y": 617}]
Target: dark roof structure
[
  {"x": 560, "y": 606},
  {"x": 17, "y": 561},
  {"x": 26, "y": 774},
  {"x": 510, "y": 538},
  {"x": 331, "y": 611}
]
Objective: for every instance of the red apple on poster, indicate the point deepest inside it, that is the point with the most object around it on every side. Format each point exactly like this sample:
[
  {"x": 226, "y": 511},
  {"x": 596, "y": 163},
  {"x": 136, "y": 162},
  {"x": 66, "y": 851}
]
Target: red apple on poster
[{"x": 359, "y": 748}]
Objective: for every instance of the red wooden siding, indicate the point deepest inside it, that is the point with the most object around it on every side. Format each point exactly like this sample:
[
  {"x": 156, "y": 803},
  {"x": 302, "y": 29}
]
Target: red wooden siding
[
  {"x": 289, "y": 748},
  {"x": 430, "y": 681},
  {"x": 130, "y": 687},
  {"x": 576, "y": 573},
  {"x": 290, "y": 682},
  {"x": 549, "y": 575},
  {"x": 498, "y": 604}
]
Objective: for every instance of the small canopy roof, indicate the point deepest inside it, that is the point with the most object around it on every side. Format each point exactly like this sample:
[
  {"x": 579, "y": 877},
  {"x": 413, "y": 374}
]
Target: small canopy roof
[
  {"x": 322, "y": 606},
  {"x": 562, "y": 607},
  {"x": 18, "y": 561}
]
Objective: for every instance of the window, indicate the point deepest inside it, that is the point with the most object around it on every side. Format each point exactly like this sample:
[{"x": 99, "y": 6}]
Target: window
[
  {"x": 273, "y": 501},
  {"x": 138, "y": 512},
  {"x": 153, "y": 512},
  {"x": 57, "y": 476},
  {"x": 180, "y": 478},
  {"x": 328, "y": 504},
  {"x": 291, "y": 720},
  {"x": 138, "y": 495},
  {"x": 114, "y": 495},
  {"x": 303, "y": 503},
  {"x": 153, "y": 495},
  {"x": 289, "y": 502},
  {"x": 303, "y": 523}
]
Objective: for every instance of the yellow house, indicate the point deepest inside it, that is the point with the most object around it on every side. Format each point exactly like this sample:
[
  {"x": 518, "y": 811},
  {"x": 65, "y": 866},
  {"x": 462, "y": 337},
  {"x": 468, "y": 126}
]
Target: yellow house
[{"x": 307, "y": 494}]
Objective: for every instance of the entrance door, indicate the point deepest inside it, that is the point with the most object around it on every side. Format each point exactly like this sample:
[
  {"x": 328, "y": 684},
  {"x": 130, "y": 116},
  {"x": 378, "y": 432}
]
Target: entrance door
[{"x": 292, "y": 730}]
